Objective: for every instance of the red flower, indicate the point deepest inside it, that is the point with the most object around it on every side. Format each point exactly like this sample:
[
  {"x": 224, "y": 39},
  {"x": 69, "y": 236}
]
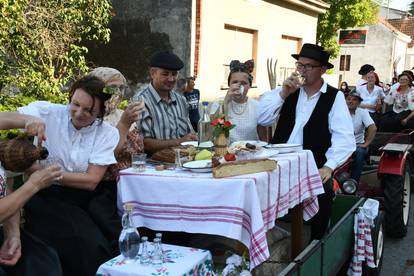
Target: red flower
[
  {"x": 221, "y": 121},
  {"x": 215, "y": 122},
  {"x": 227, "y": 124}
]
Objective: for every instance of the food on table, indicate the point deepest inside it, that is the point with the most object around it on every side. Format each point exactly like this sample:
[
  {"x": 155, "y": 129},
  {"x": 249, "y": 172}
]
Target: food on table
[
  {"x": 164, "y": 155},
  {"x": 230, "y": 157},
  {"x": 250, "y": 146},
  {"x": 243, "y": 167},
  {"x": 160, "y": 167},
  {"x": 203, "y": 155}
]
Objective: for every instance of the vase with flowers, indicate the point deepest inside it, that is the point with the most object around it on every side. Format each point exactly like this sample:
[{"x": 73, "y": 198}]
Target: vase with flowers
[{"x": 221, "y": 131}]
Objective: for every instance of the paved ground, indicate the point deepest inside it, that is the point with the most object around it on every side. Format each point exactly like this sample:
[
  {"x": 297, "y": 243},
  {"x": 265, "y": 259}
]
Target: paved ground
[{"x": 399, "y": 253}]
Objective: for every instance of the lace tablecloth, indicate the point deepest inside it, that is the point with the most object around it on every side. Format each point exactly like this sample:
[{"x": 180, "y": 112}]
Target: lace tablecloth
[{"x": 241, "y": 207}]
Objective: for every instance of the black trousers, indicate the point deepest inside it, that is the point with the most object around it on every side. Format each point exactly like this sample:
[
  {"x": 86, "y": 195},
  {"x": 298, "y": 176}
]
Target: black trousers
[
  {"x": 37, "y": 258},
  {"x": 59, "y": 217},
  {"x": 319, "y": 223}
]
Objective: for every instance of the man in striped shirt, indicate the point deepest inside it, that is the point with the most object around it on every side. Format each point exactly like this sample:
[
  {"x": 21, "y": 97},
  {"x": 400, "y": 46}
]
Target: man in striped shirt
[{"x": 165, "y": 122}]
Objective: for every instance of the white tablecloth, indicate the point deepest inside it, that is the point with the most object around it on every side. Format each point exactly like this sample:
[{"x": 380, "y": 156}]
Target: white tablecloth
[
  {"x": 178, "y": 260},
  {"x": 241, "y": 207}
]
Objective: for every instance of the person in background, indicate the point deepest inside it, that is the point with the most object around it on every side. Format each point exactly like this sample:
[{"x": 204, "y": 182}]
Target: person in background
[
  {"x": 102, "y": 206},
  {"x": 316, "y": 116},
  {"x": 402, "y": 101},
  {"x": 181, "y": 85},
  {"x": 363, "y": 71},
  {"x": 165, "y": 122},
  {"x": 21, "y": 253},
  {"x": 84, "y": 144},
  {"x": 193, "y": 98},
  {"x": 363, "y": 123},
  {"x": 372, "y": 96},
  {"x": 344, "y": 88},
  {"x": 241, "y": 110}
]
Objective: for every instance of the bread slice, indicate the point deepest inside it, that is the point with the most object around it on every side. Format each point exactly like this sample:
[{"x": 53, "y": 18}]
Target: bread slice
[{"x": 243, "y": 167}]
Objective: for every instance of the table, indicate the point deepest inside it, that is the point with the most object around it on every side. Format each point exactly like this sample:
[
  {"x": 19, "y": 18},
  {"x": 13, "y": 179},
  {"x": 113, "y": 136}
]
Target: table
[
  {"x": 178, "y": 260},
  {"x": 241, "y": 207}
]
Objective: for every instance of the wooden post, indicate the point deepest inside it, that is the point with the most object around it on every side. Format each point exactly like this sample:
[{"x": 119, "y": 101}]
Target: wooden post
[{"x": 296, "y": 230}]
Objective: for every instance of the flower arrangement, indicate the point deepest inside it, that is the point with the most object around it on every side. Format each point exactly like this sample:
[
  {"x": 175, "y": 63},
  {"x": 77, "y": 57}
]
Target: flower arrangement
[
  {"x": 221, "y": 125},
  {"x": 236, "y": 266}
]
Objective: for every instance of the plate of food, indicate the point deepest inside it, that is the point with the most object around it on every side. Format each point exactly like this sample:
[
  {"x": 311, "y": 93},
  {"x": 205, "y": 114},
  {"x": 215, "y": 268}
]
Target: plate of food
[
  {"x": 189, "y": 143},
  {"x": 285, "y": 148},
  {"x": 250, "y": 142},
  {"x": 199, "y": 166}
]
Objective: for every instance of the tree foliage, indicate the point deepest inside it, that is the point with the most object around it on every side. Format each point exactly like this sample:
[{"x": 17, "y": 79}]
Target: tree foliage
[
  {"x": 343, "y": 14},
  {"x": 411, "y": 7},
  {"x": 40, "y": 46}
]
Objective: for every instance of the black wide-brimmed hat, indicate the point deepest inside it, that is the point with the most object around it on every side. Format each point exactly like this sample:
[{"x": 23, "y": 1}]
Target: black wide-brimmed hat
[
  {"x": 365, "y": 69},
  {"x": 315, "y": 52},
  {"x": 166, "y": 60}
]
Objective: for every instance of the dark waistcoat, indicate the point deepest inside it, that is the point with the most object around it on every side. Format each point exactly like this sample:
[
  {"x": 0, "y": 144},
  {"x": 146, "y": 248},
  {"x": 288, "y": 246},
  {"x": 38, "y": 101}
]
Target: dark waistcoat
[{"x": 316, "y": 134}]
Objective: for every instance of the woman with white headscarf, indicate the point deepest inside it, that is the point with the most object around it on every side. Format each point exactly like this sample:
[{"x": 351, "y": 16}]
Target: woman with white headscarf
[{"x": 103, "y": 205}]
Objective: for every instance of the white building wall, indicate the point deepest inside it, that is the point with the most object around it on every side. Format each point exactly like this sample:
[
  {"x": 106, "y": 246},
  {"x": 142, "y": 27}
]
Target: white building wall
[
  {"x": 271, "y": 21},
  {"x": 377, "y": 51}
]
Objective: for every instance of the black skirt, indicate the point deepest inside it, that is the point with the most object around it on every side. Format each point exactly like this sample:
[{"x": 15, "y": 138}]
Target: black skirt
[
  {"x": 59, "y": 217},
  {"x": 37, "y": 258}
]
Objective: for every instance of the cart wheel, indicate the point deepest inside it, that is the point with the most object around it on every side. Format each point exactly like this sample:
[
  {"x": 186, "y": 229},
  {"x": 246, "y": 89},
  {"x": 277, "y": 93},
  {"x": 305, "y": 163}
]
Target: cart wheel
[
  {"x": 377, "y": 235},
  {"x": 397, "y": 197}
]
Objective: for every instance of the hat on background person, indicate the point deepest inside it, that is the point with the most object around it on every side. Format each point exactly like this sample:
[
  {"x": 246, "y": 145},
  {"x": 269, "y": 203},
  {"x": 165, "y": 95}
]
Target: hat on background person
[
  {"x": 365, "y": 69},
  {"x": 315, "y": 52},
  {"x": 166, "y": 60},
  {"x": 355, "y": 94}
]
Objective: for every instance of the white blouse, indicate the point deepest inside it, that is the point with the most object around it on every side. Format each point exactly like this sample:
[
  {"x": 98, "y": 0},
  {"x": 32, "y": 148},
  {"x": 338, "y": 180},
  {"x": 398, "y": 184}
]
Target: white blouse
[
  {"x": 370, "y": 97},
  {"x": 244, "y": 116},
  {"x": 76, "y": 149},
  {"x": 401, "y": 102}
]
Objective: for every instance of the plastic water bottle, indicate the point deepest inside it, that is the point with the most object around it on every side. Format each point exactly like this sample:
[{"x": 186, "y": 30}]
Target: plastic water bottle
[
  {"x": 129, "y": 239},
  {"x": 204, "y": 127}
]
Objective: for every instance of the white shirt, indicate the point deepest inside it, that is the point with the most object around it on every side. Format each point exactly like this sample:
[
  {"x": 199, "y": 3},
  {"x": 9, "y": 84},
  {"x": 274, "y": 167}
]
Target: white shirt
[
  {"x": 361, "y": 120},
  {"x": 76, "y": 149},
  {"x": 340, "y": 122},
  {"x": 360, "y": 82},
  {"x": 244, "y": 116},
  {"x": 370, "y": 97}
]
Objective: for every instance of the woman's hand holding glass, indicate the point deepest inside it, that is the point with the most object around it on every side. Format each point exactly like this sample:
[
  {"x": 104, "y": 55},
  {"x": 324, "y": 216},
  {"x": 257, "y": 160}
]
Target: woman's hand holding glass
[
  {"x": 132, "y": 112},
  {"x": 236, "y": 92},
  {"x": 49, "y": 174}
]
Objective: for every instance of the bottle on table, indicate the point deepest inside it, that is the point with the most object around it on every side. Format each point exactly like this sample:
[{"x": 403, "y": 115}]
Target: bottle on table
[
  {"x": 144, "y": 258},
  {"x": 204, "y": 127},
  {"x": 157, "y": 258},
  {"x": 129, "y": 239}
]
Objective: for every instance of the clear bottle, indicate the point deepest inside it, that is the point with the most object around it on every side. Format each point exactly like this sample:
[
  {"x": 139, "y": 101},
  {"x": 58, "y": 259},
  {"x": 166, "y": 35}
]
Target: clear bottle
[
  {"x": 204, "y": 127},
  {"x": 159, "y": 236},
  {"x": 129, "y": 239},
  {"x": 144, "y": 258},
  {"x": 157, "y": 259}
]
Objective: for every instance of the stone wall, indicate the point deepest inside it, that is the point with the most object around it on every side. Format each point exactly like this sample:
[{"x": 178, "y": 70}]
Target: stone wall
[{"x": 138, "y": 29}]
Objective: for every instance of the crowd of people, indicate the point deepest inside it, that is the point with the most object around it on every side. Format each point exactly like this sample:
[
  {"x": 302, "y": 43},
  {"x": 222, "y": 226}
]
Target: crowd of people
[{"x": 71, "y": 221}]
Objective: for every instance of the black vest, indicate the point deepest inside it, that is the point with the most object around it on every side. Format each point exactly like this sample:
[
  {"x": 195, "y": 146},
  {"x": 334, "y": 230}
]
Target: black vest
[{"x": 316, "y": 135}]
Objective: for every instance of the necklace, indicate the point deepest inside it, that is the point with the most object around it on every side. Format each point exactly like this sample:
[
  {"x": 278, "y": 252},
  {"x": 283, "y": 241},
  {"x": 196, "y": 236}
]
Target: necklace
[{"x": 239, "y": 108}]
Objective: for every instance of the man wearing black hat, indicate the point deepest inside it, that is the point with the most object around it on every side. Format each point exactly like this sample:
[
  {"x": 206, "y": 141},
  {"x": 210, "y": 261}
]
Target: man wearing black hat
[
  {"x": 315, "y": 115},
  {"x": 363, "y": 71},
  {"x": 165, "y": 122},
  {"x": 362, "y": 123}
]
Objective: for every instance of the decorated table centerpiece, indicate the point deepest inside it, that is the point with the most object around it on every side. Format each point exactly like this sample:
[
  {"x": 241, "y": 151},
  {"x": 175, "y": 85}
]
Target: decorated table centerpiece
[{"x": 221, "y": 131}]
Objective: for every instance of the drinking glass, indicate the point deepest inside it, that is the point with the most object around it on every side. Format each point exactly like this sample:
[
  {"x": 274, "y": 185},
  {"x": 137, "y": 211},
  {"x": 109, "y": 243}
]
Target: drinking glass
[
  {"x": 137, "y": 99},
  {"x": 177, "y": 158},
  {"x": 138, "y": 161},
  {"x": 300, "y": 78}
]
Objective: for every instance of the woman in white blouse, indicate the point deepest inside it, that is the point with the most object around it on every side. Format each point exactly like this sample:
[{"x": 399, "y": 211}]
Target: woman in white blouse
[
  {"x": 240, "y": 109},
  {"x": 84, "y": 145},
  {"x": 371, "y": 95},
  {"x": 402, "y": 100}
]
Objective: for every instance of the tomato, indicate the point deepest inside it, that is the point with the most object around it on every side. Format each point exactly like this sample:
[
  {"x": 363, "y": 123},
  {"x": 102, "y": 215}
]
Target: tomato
[{"x": 230, "y": 157}]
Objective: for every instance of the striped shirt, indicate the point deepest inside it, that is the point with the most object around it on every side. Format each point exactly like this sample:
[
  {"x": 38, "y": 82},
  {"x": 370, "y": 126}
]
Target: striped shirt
[{"x": 161, "y": 119}]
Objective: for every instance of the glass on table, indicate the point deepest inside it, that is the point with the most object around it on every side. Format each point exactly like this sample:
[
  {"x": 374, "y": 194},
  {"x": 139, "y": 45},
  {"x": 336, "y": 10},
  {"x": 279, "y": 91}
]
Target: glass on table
[
  {"x": 178, "y": 164},
  {"x": 138, "y": 161}
]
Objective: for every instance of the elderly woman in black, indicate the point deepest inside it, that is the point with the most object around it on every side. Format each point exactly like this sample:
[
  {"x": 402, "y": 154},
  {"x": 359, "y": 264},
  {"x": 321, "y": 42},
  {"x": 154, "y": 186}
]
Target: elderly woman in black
[{"x": 84, "y": 146}]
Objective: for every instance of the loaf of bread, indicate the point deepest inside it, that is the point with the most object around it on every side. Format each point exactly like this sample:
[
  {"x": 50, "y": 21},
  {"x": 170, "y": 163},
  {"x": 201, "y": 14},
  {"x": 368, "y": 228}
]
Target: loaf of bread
[
  {"x": 243, "y": 167},
  {"x": 164, "y": 155}
]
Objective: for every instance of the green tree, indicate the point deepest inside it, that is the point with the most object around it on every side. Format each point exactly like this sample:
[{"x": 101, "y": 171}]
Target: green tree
[
  {"x": 40, "y": 46},
  {"x": 411, "y": 7},
  {"x": 343, "y": 14}
]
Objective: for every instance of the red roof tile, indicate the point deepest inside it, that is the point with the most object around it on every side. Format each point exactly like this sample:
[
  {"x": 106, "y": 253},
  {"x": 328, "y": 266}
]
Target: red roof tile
[{"x": 406, "y": 26}]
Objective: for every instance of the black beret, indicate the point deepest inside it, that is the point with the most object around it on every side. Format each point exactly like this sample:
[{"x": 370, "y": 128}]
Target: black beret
[
  {"x": 365, "y": 69},
  {"x": 166, "y": 60}
]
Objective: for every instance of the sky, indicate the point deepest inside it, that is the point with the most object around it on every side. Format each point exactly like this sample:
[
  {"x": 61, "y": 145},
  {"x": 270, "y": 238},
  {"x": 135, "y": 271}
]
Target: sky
[{"x": 400, "y": 4}]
